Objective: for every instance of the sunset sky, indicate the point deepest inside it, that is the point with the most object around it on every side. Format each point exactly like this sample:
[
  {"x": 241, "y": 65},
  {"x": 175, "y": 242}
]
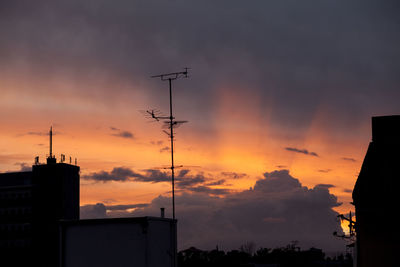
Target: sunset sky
[{"x": 278, "y": 91}]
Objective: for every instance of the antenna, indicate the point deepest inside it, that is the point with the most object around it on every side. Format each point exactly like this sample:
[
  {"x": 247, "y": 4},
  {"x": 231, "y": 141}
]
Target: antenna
[
  {"x": 352, "y": 234},
  {"x": 170, "y": 122},
  {"x": 51, "y": 141},
  {"x": 51, "y": 158}
]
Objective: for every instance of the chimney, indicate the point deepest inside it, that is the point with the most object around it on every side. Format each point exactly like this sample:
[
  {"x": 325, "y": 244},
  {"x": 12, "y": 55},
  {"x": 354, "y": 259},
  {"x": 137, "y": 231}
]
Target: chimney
[{"x": 162, "y": 212}]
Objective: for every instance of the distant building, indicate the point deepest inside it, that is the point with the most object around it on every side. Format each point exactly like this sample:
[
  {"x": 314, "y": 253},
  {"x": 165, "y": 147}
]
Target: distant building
[
  {"x": 40, "y": 226},
  {"x": 376, "y": 197}
]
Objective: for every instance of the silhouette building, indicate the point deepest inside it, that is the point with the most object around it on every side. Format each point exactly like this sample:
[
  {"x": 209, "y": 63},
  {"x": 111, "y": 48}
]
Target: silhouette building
[
  {"x": 40, "y": 226},
  {"x": 31, "y": 206},
  {"x": 376, "y": 199}
]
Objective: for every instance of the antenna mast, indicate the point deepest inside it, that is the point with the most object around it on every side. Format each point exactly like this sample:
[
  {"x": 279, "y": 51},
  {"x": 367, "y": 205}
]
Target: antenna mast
[
  {"x": 51, "y": 158},
  {"x": 171, "y": 122},
  {"x": 51, "y": 141}
]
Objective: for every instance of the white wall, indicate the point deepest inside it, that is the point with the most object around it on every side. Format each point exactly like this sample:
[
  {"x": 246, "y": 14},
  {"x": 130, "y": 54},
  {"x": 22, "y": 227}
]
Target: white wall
[{"x": 147, "y": 242}]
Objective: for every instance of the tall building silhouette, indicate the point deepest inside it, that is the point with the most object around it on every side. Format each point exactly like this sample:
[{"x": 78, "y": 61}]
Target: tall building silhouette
[
  {"x": 376, "y": 198},
  {"x": 31, "y": 206}
]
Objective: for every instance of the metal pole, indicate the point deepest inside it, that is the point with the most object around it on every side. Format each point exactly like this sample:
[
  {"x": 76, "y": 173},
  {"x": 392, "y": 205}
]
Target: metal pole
[
  {"x": 171, "y": 118},
  {"x": 171, "y": 124},
  {"x": 51, "y": 141}
]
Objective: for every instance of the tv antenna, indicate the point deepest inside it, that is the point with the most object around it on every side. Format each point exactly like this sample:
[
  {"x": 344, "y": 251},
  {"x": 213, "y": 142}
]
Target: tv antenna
[
  {"x": 352, "y": 234},
  {"x": 169, "y": 123}
]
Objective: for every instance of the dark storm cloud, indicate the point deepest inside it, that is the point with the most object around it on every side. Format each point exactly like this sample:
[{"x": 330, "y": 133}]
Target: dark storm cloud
[
  {"x": 302, "y": 151},
  {"x": 276, "y": 211},
  {"x": 296, "y": 56}
]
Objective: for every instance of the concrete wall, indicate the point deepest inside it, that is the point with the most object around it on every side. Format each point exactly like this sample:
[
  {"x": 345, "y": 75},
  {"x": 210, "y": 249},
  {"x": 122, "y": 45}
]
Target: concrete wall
[{"x": 145, "y": 241}]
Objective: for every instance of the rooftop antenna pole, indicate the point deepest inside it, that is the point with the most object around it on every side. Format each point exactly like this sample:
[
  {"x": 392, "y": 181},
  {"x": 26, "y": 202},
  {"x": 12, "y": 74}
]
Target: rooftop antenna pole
[
  {"x": 51, "y": 141},
  {"x": 172, "y": 123}
]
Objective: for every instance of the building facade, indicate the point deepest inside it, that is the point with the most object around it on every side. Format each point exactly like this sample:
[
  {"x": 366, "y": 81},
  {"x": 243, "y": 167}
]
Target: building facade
[
  {"x": 138, "y": 241},
  {"x": 375, "y": 197}
]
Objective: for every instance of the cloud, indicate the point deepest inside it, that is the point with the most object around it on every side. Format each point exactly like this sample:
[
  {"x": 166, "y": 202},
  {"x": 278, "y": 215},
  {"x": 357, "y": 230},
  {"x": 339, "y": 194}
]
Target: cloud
[
  {"x": 302, "y": 151},
  {"x": 38, "y": 133},
  {"x": 325, "y": 170},
  {"x": 218, "y": 182},
  {"x": 117, "y": 174},
  {"x": 96, "y": 211},
  {"x": 233, "y": 175},
  {"x": 157, "y": 143},
  {"x": 349, "y": 159},
  {"x": 165, "y": 149},
  {"x": 277, "y": 210},
  {"x": 24, "y": 167},
  {"x": 347, "y": 190},
  {"x": 126, "y": 207},
  {"x": 208, "y": 190},
  {"x": 122, "y": 133},
  {"x": 187, "y": 182},
  {"x": 327, "y": 186},
  {"x": 310, "y": 50},
  {"x": 122, "y": 174},
  {"x": 99, "y": 210}
]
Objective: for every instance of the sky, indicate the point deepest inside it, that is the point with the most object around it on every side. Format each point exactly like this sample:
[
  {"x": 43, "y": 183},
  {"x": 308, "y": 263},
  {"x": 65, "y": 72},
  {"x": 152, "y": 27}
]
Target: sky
[{"x": 279, "y": 100}]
